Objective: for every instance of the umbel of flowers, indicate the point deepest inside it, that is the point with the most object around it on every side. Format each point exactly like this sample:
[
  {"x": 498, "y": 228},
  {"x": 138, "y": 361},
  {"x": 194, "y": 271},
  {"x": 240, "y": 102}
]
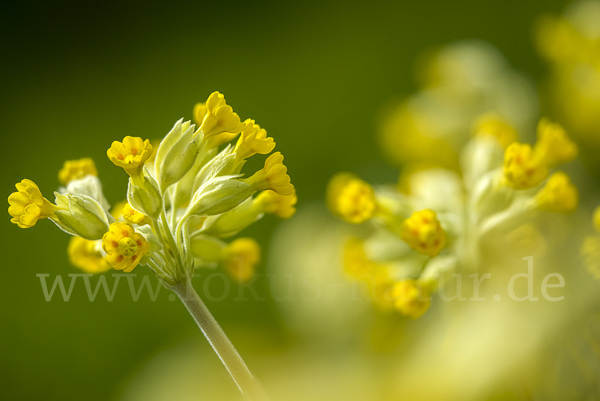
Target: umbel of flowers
[
  {"x": 432, "y": 223},
  {"x": 183, "y": 200}
]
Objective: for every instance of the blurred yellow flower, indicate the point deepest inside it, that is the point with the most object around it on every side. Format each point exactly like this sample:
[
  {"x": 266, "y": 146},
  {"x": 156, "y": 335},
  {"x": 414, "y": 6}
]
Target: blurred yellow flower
[
  {"x": 86, "y": 255},
  {"x": 523, "y": 168},
  {"x": 492, "y": 125},
  {"x": 553, "y": 144},
  {"x": 240, "y": 258},
  {"x": 559, "y": 195},
  {"x": 410, "y": 298},
  {"x": 424, "y": 233},
  {"x": 356, "y": 201},
  {"x": 281, "y": 205},
  {"x": 76, "y": 169}
]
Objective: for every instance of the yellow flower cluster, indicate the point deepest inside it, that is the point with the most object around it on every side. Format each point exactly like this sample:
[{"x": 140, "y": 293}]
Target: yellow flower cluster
[{"x": 182, "y": 191}]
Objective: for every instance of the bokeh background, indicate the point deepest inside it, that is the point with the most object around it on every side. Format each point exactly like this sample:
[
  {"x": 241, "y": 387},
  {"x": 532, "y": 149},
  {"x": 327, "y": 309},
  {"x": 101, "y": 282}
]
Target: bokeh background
[{"x": 78, "y": 75}]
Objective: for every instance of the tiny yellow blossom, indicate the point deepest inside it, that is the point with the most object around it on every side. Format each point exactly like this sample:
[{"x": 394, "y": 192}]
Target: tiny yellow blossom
[
  {"x": 424, "y": 233},
  {"x": 133, "y": 216},
  {"x": 131, "y": 154},
  {"x": 559, "y": 195},
  {"x": 523, "y": 168},
  {"x": 280, "y": 205},
  {"x": 253, "y": 140},
  {"x": 411, "y": 298},
  {"x": 76, "y": 169},
  {"x": 492, "y": 125},
  {"x": 27, "y": 205},
  {"x": 124, "y": 247},
  {"x": 272, "y": 176},
  {"x": 218, "y": 117},
  {"x": 85, "y": 255},
  {"x": 553, "y": 145},
  {"x": 356, "y": 201},
  {"x": 597, "y": 219},
  {"x": 241, "y": 256}
]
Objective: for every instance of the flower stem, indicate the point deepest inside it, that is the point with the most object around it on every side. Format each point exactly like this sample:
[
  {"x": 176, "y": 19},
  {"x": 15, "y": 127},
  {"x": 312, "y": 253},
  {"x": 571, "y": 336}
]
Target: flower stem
[{"x": 247, "y": 384}]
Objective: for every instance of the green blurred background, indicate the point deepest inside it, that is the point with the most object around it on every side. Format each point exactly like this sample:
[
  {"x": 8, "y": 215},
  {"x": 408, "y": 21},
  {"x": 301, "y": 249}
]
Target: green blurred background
[{"x": 78, "y": 75}]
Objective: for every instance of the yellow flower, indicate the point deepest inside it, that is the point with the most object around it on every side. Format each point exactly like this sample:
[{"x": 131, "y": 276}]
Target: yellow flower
[
  {"x": 133, "y": 216},
  {"x": 559, "y": 195},
  {"x": 218, "y": 117},
  {"x": 131, "y": 154},
  {"x": 553, "y": 145},
  {"x": 124, "y": 247},
  {"x": 253, "y": 140},
  {"x": 424, "y": 233},
  {"x": 241, "y": 256},
  {"x": 76, "y": 169},
  {"x": 411, "y": 298},
  {"x": 356, "y": 201},
  {"x": 272, "y": 176},
  {"x": 280, "y": 205},
  {"x": 494, "y": 126},
  {"x": 27, "y": 205},
  {"x": 597, "y": 219},
  {"x": 85, "y": 255},
  {"x": 523, "y": 168}
]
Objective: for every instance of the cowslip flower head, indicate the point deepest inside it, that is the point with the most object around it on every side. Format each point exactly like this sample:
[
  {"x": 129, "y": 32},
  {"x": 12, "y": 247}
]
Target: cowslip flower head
[
  {"x": 27, "y": 205},
  {"x": 124, "y": 247},
  {"x": 553, "y": 144},
  {"x": 86, "y": 255},
  {"x": 253, "y": 140},
  {"x": 240, "y": 258},
  {"x": 559, "y": 195},
  {"x": 523, "y": 168},
  {"x": 491, "y": 125},
  {"x": 272, "y": 176},
  {"x": 77, "y": 169},
  {"x": 410, "y": 298},
  {"x": 424, "y": 233},
  {"x": 280, "y": 205},
  {"x": 131, "y": 154},
  {"x": 356, "y": 201},
  {"x": 218, "y": 118}
]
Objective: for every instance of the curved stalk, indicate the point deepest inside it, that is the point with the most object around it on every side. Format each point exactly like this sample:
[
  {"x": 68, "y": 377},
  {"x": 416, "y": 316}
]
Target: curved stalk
[{"x": 247, "y": 384}]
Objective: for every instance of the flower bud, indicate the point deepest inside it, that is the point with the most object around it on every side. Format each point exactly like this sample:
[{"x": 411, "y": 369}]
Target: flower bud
[
  {"x": 176, "y": 154},
  {"x": 219, "y": 195},
  {"x": 146, "y": 198},
  {"x": 81, "y": 215}
]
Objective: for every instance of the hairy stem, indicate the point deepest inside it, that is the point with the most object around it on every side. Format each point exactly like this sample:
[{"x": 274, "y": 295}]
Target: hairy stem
[{"x": 248, "y": 385}]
